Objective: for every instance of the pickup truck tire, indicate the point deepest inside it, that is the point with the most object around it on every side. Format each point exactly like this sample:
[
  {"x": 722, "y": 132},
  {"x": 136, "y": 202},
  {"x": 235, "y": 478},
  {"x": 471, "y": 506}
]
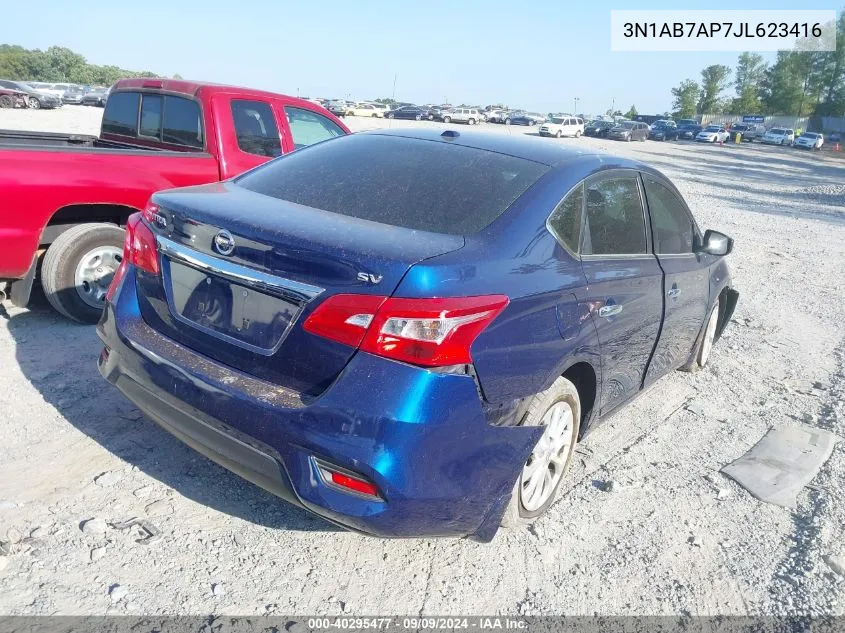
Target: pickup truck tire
[
  {"x": 558, "y": 408},
  {"x": 78, "y": 267}
]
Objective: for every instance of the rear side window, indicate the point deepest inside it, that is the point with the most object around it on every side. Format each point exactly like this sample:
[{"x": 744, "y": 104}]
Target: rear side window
[
  {"x": 307, "y": 128},
  {"x": 565, "y": 220},
  {"x": 615, "y": 223},
  {"x": 255, "y": 128},
  {"x": 412, "y": 183},
  {"x": 121, "y": 115}
]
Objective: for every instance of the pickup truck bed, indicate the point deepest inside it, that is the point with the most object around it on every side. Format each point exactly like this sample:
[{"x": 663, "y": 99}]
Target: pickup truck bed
[{"x": 65, "y": 197}]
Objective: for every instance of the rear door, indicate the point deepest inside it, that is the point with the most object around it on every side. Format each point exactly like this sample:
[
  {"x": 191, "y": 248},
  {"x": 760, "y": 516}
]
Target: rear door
[
  {"x": 686, "y": 285},
  {"x": 625, "y": 282}
]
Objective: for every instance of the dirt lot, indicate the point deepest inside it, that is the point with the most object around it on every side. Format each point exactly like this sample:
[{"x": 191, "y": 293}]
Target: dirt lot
[{"x": 671, "y": 536}]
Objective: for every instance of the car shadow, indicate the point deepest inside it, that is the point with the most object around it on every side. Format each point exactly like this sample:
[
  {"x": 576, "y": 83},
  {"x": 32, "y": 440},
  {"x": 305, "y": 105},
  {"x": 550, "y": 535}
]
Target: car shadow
[{"x": 59, "y": 358}]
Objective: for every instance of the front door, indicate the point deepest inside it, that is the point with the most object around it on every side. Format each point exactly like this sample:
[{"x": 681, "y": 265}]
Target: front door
[
  {"x": 686, "y": 286},
  {"x": 624, "y": 282}
]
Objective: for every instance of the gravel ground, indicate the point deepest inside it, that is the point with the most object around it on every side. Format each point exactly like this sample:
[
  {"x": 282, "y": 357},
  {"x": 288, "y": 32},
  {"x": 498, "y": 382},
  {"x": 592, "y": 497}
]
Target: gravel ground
[{"x": 670, "y": 536}]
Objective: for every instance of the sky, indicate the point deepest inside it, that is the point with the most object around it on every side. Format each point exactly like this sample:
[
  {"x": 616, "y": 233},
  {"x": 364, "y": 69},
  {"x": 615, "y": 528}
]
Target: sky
[{"x": 539, "y": 54}]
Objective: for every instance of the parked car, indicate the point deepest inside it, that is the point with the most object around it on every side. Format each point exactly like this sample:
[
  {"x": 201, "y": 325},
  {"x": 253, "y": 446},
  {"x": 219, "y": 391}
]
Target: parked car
[
  {"x": 563, "y": 126},
  {"x": 495, "y": 116},
  {"x": 470, "y": 116},
  {"x": 779, "y": 136},
  {"x": 748, "y": 132},
  {"x": 383, "y": 108},
  {"x": 435, "y": 113},
  {"x": 369, "y": 379},
  {"x": 526, "y": 118},
  {"x": 689, "y": 131},
  {"x": 809, "y": 140},
  {"x": 408, "y": 112},
  {"x": 712, "y": 134},
  {"x": 663, "y": 130},
  {"x": 629, "y": 131},
  {"x": 34, "y": 98},
  {"x": 366, "y": 109},
  {"x": 73, "y": 95},
  {"x": 96, "y": 97},
  {"x": 338, "y": 108},
  {"x": 599, "y": 128},
  {"x": 173, "y": 133},
  {"x": 835, "y": 137},
  {"x": 13, "y": 98}
]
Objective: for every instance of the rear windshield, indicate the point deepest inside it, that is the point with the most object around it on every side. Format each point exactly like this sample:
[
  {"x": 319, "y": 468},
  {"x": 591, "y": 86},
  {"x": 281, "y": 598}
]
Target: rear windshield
[{"x": 412, "y": 183}]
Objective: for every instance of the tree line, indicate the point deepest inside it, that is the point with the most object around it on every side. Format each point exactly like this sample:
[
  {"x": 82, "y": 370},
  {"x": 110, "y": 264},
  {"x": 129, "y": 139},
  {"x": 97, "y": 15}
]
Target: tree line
[
  {"x": 799, "y": 83},
  {"x": 59, "y": 64}
]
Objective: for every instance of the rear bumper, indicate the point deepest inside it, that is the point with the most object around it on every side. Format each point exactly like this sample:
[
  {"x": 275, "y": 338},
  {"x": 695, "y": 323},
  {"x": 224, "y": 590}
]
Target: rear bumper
[{"x": 421, "y": 437}]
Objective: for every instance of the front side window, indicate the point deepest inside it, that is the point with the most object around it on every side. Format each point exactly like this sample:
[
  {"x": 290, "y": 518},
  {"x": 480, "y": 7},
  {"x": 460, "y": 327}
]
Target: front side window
[
  {"x": 565, "y": 220},
  {"x": 307, "y": 128},
  {"x": 615, "y": 224},
  {"x": 255, "y": 128},
  {"x": 121, "y": 115},
  {"x": 672, "y": 227}
]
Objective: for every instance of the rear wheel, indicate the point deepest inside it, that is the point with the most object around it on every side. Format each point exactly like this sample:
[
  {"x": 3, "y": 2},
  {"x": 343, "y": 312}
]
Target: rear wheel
[
  {"x": 78, "y": 268},
  {"x": 577, "y": 133},
  {"x": 418, "y": 117},
  {"x": 471, "y": 121},
  {"x": 33, "y": 103},
  {"x": 558, "y": 410},
  {"x": 447, "y": 119},
  {"x": 6, "y": 101}
]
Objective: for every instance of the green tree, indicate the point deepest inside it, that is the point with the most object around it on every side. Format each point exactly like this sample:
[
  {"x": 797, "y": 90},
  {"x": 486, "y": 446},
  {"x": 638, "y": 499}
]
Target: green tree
[
  {"x": 750, "y": 73},
  {"x": 685, "y": 99},
  {"x": 714, "y": 80},
  {"x": 632, "y": 113}
]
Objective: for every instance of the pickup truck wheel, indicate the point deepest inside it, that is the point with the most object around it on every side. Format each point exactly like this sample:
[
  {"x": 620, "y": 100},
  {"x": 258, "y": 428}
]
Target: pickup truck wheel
[
  {"x": 558, "y": 409},
  {"x": 78, "y": 268}
]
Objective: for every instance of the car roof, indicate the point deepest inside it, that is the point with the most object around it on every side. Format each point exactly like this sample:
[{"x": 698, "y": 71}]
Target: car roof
[
  {"x": 187, "y": 87},
  {"x": 520, "y": 146}
]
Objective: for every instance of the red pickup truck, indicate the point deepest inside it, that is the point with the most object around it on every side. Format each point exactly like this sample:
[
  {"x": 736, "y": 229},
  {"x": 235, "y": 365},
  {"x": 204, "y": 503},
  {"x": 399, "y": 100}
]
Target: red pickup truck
[{"x": 66, "y": 196}]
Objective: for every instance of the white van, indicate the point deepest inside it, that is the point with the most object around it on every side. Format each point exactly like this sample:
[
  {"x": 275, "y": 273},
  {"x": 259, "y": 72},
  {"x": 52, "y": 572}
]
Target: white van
[{"x": 563, "y": 126}]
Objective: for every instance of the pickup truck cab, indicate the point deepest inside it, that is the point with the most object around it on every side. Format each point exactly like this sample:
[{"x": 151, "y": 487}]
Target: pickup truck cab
[{"x": 68, "y": 197}]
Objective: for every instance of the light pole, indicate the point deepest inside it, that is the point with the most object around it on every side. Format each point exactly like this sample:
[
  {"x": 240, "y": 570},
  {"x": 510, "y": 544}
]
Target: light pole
[{"x": 575, "y": 111}]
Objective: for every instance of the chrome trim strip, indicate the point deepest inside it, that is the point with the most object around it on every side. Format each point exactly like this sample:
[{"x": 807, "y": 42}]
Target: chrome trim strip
[{"x": 271, "y": 284}]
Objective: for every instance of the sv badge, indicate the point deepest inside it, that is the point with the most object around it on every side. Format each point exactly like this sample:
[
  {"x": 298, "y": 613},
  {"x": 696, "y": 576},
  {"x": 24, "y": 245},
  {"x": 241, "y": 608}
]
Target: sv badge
[{"x": 370, "y": 278}]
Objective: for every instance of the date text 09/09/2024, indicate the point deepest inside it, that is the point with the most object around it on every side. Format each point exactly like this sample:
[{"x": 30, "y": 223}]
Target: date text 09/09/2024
[{"x": 721, "y": 29}]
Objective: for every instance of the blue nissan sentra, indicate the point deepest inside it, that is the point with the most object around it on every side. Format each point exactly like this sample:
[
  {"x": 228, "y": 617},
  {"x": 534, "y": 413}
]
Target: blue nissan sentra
[{"x": 407, "y": 332}]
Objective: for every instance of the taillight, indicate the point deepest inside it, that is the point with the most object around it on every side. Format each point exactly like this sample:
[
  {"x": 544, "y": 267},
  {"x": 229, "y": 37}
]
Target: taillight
[
  {"x": 139, "y": 249},
  {"x": 429, "y": 332},
  {"x": 140, "y": 246},
  {"x": 336, "y": 477}
]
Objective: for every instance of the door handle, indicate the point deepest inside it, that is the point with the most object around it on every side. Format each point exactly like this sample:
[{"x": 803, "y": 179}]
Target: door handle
[
  {"x": 609, "y": 311},
  {"x": 674, "y": 293}
]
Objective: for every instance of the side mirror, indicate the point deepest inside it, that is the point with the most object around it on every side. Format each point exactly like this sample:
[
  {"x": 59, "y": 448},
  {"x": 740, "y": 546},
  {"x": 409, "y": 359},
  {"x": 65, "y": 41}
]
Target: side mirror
[{"x": 715, "y": 243}]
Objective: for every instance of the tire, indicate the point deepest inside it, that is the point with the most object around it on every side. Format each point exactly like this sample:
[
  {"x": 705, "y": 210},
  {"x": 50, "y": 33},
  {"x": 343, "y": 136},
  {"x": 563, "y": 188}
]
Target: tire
[
  {"x": 447, "y": 119},
  {"x": 532, "y": 123},
  {"x": 33, "y": 103},
  {"x": 471, "y": 121},
  {"x": 561, "y": 397},
  {"x": 507, "y": 121},
  {"x": 577, "y": 133},
  {"x": 558, "y": 134},
  {"x": 88, "y": 251},
  {"x": 418, "y": 117},
  {"x": 6, "y": 101},
  {"x": 390, "y": 116},
  {"x": 431, "y": 117},
  {"x": 374, "y": 116}
]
